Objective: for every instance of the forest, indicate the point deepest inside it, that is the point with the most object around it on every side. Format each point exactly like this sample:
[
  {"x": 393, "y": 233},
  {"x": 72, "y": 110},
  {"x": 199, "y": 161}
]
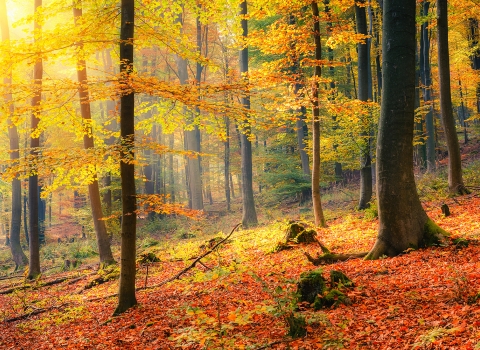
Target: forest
[{"x": 233, "y": 174}]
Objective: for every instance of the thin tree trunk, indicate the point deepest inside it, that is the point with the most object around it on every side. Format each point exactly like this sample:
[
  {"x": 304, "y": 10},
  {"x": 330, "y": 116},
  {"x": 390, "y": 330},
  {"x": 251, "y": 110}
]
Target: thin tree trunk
[
  {"x": 113, "y": 126},
  {"x": 316, "y": 199},
  {"x": 33, "y": 195},
  {"x": 18, "y": 255},
  {"x": 103, "y": 241},
  {"x": 363, "y": 92},
  {"x": 126, "y": 294},
  {"x": 249, "y": 217},
  {"x": 425, "y": 73},
  {"x": 455, "y": 180}
]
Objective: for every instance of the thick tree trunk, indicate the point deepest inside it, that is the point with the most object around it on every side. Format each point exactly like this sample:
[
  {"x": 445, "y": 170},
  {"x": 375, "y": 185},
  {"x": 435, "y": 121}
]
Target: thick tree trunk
[
  {"x": 103, "y": 241},
  {"x": 316, "y": 198},
  {"x": 363, "y": 92},
  {"x": 33, "y": 194},
  {"x": 403, "y": 222},
  {"x": 455, "y": 180},
  {"x": 425, "y": 74},
  {"x": 249, "y": 217},
  {"x": 126, "y": 294},
  {"x": 18, "y": 255}
]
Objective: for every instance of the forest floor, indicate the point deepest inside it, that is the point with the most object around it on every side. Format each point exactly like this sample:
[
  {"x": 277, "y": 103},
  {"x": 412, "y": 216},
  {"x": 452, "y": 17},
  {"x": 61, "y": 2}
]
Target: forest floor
[{"x": 239, "y": 297}]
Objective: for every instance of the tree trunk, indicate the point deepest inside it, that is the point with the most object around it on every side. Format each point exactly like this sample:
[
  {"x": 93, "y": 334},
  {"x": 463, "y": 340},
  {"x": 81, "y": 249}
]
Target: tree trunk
[
  {"x": 403, "y": 222},
  {"x": 34, "y": 263},
  {"x": 126, "y": 294},
  {"x": 113, "y": 126},
  {"x": 425, "y": 74},
  {"x": 249, "y": 217},
  {"x": 316, "y": 199},
  {"x": 171, "y": 173},
  {"x": 18, "y": 255},
  {"x": 474, "y": 38},
  {"x": 363, "y": 92},
  {"x": 103, "y": 241},
  {"x": 455, "y": 180}
]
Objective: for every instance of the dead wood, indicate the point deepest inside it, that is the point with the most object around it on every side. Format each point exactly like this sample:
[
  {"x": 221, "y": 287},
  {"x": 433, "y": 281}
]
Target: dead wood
[
  {"x": 329, "y": 258},
  {"x": 33, "y": 313},
  {"x": 197, "y": 260}
]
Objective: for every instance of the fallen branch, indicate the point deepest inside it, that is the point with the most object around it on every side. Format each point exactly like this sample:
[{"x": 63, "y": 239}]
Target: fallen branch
[
  {"x": 192, "y": 265},
  {"x": 32, "y": 313},
  {"x": 329, "y": 258},
  {"x": 189, "y": 267}
]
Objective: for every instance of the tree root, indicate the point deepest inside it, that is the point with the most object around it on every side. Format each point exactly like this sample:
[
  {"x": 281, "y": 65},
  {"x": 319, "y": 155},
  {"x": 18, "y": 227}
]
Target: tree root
[{"x": 330, "y": 258}]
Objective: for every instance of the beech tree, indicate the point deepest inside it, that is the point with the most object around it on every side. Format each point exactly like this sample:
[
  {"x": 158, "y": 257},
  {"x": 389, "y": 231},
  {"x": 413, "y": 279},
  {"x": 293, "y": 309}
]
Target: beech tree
[
  {"x": 403, "y": 221},
  {"x": 33, "y": 188},
  {"x": 425, "y": 76},
  {"x": 18, "y": 255},
  {"x": 455, "y": 179},
  {"x": 103, "y": 240},
  {"x": 249, "y": 214},
  {"x": 363, "y": 78},
  {"x": 316, "y": 198},
  {"x": 126, "y": 294}
]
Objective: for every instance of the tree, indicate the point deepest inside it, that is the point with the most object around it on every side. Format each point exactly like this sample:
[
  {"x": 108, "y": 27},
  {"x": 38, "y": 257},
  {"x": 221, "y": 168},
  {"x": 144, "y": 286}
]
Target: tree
[
  {"x": 33, "y": 188},
  {"x": 103, "y": 240},
  {"x": 363, "y": 88},
  {"x": 18, "y": 255},
  {"x": 425, "y": 75},
  {"x": 316, "y": 198},
  {"x": 126, "y": 294},
  {"x": 455, "y": 180},
  {"x": 403, "y": 222},
  {"x": 249, "y": 216}
]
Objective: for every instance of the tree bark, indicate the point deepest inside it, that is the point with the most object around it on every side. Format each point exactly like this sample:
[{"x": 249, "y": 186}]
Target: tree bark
[
  {"x": 455, "y": 180},
  {"x": 107, "y": 179},
  {"x": 18, "y": 255},
  {"x": 249, "y": 216},
  {"x": 425, "y": 74},
  {"x": 403, "y": 222},
  {"x": 103, "y": 241},
  {"x": 126, "y": 294},
  {"x": 33, "y": 193},
  {"x": 316, "y": 198},
  {"x": 363, "y": 92}
]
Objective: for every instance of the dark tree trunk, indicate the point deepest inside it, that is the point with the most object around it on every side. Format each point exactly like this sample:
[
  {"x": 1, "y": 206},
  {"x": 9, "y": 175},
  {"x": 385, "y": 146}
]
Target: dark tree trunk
[
  {"x": 103, "y": 241},
  {"x": 474, "y": 38},
  {"x": 403, "y": 222},
  {"x": 425, "y": 74},
  {"x": 316, "y": 198},
  {"x": 110, "y": 141},
  {"x": 33, "y": 194},
  {"x": 126, "y": 293},
  {"x": 363, "y": 89},
  {"x": 171, "y": 173},
  {"x": 249, "y": 217},
  {"x": 148, "y": 171},
  {"x": 455, "y": 180},
  {"x": 18, "y": 255}
]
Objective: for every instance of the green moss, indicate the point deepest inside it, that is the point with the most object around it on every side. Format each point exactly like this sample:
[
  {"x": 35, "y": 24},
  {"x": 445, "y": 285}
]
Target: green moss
[
  {"x": 334, "y": 297},
  {"x": 310, "y": 285},
  {"x": 297, "y": 326},
  {"x": 338, "y": 278},
  {"x": 432, "y": 234}
]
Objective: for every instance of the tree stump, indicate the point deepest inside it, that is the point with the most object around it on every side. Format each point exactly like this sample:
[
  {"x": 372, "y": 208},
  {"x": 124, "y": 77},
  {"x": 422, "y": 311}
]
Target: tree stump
[{"x": 445, "y": 209}]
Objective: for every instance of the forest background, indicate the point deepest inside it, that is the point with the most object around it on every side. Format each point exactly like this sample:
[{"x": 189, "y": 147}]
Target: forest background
[{"x": 204, "y": 139}]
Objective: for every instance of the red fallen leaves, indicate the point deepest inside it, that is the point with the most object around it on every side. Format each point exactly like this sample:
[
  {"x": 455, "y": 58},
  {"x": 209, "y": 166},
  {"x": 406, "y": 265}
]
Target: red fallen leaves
[{"x": 424, "y": 299}]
